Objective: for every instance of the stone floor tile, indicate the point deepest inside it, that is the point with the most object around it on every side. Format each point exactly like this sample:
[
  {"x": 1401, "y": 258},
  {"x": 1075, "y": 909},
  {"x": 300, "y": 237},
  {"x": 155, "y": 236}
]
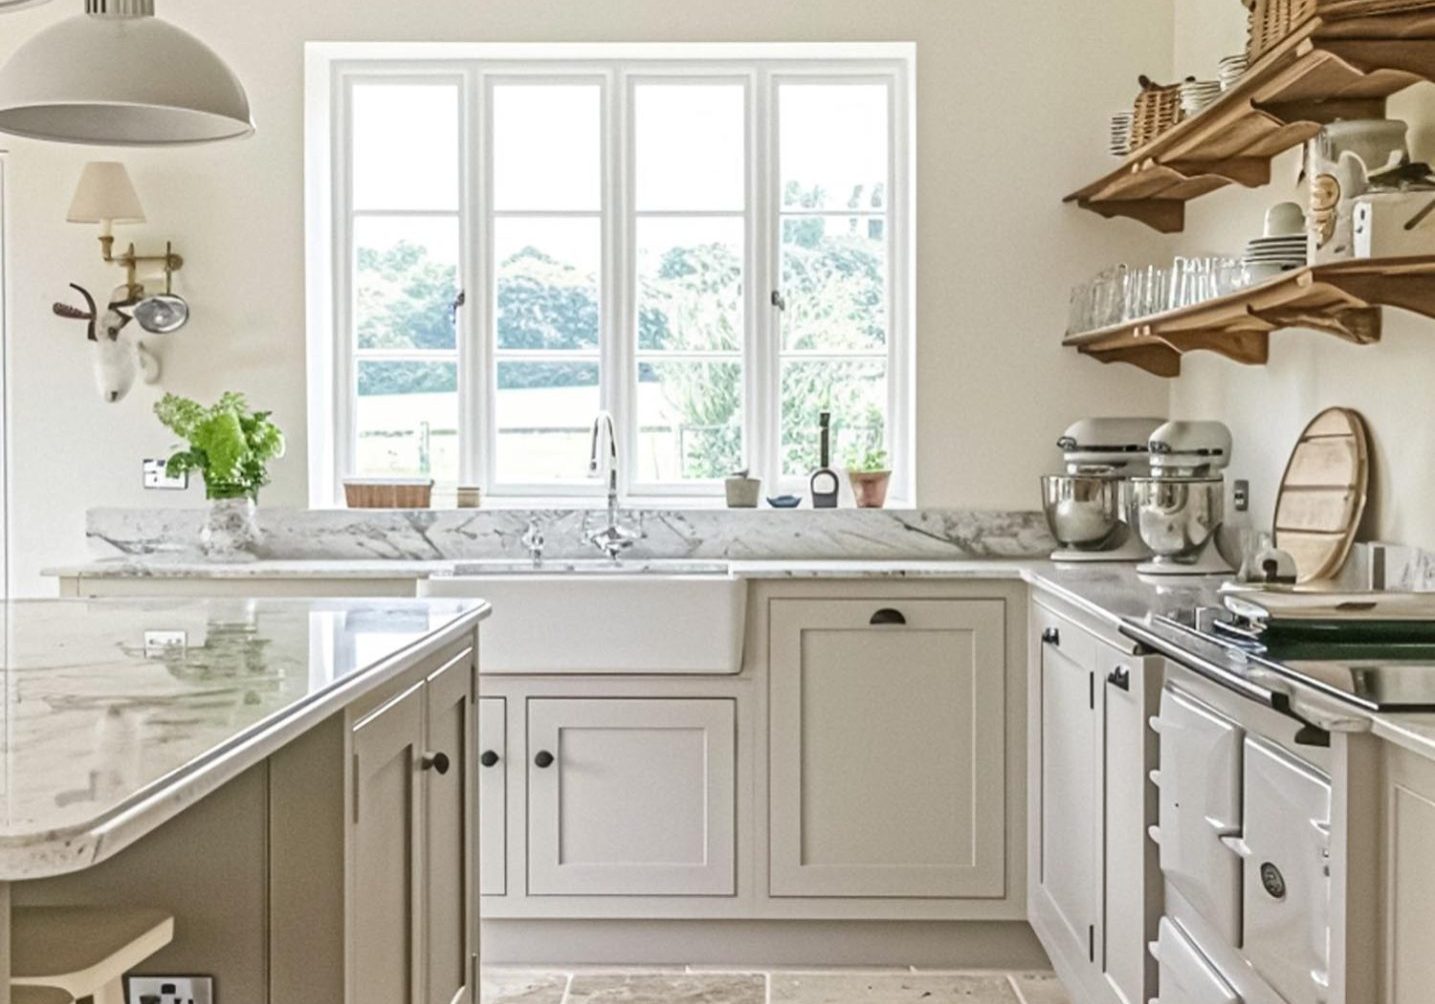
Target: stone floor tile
[
  {"x": 522, "y": 986},
  {"x": 1040, "y": 988},
  {"x": 668, "y": 988},
  {"x": 891, "y": 988}
]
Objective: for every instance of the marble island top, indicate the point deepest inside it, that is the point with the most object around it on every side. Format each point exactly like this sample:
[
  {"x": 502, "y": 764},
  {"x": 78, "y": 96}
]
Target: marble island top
[{"x": 117, "y": 714}]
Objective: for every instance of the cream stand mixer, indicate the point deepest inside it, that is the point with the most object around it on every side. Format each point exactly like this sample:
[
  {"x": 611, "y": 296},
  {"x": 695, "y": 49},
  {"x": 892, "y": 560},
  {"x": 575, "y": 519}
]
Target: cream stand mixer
[
  {"x": 1089, "y": 507},
  {"x": 1182, "y": 504}
]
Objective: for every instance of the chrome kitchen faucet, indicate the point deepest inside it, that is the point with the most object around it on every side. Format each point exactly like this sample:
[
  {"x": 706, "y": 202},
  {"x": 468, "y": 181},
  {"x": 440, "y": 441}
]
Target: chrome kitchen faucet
[{"x": 614, "y": 538}]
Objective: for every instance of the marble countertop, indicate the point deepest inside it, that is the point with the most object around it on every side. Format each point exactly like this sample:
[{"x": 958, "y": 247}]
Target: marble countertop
[{"x": 117, "y": 714}]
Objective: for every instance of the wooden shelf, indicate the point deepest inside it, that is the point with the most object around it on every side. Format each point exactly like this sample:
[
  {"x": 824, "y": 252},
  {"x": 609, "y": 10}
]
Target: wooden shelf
[
  {"x": 1341, "y": 299},
  {"x": 1341, "y": 64}
]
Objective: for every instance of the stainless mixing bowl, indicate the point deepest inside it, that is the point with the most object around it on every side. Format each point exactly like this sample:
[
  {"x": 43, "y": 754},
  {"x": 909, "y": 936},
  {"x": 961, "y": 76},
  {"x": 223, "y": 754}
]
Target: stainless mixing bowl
[
  {"x": 1086, "y": 512},
  {"x": 1177, "y": 517}
]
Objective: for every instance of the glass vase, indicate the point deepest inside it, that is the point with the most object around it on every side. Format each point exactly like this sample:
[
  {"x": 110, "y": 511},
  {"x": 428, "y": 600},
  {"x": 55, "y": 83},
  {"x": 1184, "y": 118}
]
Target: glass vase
[{"x": 231, "y": 530}]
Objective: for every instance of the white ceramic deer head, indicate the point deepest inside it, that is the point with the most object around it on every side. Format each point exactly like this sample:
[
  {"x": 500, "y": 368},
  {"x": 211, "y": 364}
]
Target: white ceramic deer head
[{"x": 118, "y": 350}]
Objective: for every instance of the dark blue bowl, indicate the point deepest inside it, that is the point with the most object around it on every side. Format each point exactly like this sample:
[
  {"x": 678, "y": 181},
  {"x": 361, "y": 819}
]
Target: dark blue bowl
[{"x": 785, "y": 501}]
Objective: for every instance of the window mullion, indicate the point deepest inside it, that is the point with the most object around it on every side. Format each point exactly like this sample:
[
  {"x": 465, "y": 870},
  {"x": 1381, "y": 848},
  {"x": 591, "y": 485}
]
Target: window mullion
[
  {"x": 615, "y": 331},
  {"x": 764, "y": 380}
]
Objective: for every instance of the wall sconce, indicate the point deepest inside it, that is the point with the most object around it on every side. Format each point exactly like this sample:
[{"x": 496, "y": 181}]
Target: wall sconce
[{"x": 107, "y": 196}]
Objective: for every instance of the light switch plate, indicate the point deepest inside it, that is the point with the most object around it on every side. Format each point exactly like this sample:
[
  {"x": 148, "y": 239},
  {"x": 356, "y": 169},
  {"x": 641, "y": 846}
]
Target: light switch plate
[
  {"x": 170, "y": 990},
  {"x": 157, "y": 643},
  {"x": 155, "y": 477}
]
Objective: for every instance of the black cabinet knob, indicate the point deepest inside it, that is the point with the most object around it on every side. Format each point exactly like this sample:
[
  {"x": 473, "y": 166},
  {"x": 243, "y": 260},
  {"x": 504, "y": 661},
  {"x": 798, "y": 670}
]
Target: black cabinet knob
[
  {"x": 488, "y": 758},
  {"x": 1051, "y": 636},
  {"x": 435, "y": 761},
  {"x": 543, "y": 759},
  {"x": 1120, "y": 678},
  {"x": 887, "y": 616}
]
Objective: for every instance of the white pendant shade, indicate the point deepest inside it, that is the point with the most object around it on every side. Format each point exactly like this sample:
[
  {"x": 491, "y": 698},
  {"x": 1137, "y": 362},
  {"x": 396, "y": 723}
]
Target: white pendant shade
[
  {"x": 105, "y": 195},
  {"x": 17, "y": 4},
  {"x": 121, "y": 80}
]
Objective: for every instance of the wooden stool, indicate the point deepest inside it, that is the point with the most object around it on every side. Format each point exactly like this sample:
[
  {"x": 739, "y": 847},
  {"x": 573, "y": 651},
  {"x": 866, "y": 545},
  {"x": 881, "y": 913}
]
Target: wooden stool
[{"x": 83, "y": 951}]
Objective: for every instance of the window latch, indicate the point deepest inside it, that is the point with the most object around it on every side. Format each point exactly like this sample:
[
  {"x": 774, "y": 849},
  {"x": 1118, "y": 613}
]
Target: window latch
[
  {"x": 779, "y": 301},
  {"x": 458, "y": 302}
]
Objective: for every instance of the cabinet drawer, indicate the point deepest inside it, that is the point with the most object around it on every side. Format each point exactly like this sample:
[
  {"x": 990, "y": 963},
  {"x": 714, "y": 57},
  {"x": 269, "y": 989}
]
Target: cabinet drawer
[
  {"x": 1200, "y": 805},
  {"x": 1187, "y": 976},
  {"x": 887, "y": 762},
  {"x": 631, "y": 797}
]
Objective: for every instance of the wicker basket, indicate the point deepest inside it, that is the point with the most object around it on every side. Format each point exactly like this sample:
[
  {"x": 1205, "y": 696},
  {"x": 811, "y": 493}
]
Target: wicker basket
[
  {"x": 1273, "y": 20},
  {"x": 1158, "y": 108},
  {"x": 388, "y": 493}
]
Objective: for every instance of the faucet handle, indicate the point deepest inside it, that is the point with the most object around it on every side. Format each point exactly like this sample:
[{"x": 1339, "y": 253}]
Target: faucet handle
[{"x": 533, "y": 537}]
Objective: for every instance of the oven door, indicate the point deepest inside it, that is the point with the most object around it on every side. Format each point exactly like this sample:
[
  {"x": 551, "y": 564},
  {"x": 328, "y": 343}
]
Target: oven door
[
  {"x": 1285, "y": 847},
  {"x": 1187, "y": 976},
  {"x": 1200, "y": 808}
]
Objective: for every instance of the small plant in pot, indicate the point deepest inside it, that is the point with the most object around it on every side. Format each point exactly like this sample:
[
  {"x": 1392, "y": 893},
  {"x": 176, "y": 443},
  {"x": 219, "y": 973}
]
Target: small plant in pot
[
  {"x": 870, "y": 474},
  {"x": 230, "y": 446}
]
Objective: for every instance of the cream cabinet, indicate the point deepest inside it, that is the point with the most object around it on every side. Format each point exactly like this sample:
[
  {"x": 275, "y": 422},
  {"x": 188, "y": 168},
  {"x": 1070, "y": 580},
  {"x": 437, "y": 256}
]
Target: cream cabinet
[
  {"x": 1407, "y": 850},
  {"x": 886, "y": 748},
  {"x": 1094, "y": 877},
  {"x": 410, "y": 912},
  {"x": 492, "y": 796},
  {"x": 631, "y": 797}
]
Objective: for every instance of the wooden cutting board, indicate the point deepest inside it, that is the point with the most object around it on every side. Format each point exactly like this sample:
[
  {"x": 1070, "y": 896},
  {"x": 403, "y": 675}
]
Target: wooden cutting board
[{"x": 1323, "y": 494}]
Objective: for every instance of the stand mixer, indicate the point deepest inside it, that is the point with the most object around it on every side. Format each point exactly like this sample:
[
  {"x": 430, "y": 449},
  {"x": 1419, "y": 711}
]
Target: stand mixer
[
  {"x": 1182, "y": 504},
  {"x": 1089, "y": 508}
]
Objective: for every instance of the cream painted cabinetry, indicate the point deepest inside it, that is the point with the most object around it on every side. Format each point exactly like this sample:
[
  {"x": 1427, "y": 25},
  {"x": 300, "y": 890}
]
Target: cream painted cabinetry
[
  {"x": 493, "y": 796},
  {"x": 631, "y": 797},
  {"x": 1094, "y": 880},
  {"x": 886, "y": 748},
  {"x": 410, "y": 908},
  {"x": 1408, "y": 882}
]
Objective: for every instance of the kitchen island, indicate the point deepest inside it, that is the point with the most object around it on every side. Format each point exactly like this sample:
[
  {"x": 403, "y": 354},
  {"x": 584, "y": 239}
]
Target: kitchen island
[{"x": 270, "y": 773}]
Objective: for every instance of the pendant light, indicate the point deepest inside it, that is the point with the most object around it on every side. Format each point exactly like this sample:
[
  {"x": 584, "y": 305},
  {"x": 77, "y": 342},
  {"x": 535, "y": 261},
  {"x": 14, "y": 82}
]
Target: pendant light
[
  {"x": 118, "y": 76},
  {"x": 9, "y": 5}
]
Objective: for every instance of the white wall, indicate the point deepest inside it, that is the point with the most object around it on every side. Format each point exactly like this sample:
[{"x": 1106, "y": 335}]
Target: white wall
[
  {"x": 1267, "y": 407},
  {"x": 1012, "y": 104}
]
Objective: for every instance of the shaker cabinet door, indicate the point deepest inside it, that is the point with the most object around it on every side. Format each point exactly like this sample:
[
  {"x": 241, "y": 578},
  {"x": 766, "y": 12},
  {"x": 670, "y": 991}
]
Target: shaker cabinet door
[
  {"x": 387, "y": 837},
  {"x": 887, "y": 756},
  {"x": 493, "y": 796},
  {"x": 631, "y": 797},
  {"x": 1066, "y": 875},
  {"x": 448, "y": 851}
]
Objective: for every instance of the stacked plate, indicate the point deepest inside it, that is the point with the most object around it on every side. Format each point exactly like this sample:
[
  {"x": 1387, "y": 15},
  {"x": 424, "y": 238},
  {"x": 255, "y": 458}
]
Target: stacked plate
[
  {"x": 1270, "y": 256},
  {"x": 1197, "y": 94},
  {"x": 1120, "y": 134},
  {"x": 1232, "y": 68}
]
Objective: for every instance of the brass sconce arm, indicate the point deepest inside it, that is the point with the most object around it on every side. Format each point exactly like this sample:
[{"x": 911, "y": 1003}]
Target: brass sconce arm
[{"x": 130, "y": 262}]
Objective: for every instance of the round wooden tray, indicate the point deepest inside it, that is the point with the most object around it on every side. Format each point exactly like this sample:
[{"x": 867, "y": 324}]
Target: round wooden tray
[{"x": 1323, "y": 494}]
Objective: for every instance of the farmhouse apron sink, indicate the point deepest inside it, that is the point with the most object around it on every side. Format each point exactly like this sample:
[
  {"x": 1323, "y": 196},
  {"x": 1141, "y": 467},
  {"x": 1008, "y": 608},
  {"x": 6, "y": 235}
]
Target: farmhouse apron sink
[{"x": 597, "y": 616}]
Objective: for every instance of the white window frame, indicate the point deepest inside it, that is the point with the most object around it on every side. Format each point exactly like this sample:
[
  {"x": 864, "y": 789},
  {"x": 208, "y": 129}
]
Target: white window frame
[{"x": 333, "y": 68}]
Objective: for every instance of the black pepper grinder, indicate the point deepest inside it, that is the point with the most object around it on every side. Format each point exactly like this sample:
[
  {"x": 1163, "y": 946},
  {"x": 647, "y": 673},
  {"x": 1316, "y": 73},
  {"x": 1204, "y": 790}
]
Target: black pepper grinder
[{"x": 824, "y": 479}]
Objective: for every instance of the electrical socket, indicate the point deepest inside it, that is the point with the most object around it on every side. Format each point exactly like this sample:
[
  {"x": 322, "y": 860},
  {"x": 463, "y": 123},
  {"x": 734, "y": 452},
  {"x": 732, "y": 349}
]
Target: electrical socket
[
  {"x": 158, "y": 644},
  {"x": 170, "y": 990},
  {"x": 156, "y": 476}
]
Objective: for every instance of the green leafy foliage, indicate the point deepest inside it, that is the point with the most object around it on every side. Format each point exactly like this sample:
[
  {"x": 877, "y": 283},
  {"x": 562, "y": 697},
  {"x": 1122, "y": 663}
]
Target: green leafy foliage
[{"x": 229, "y": 445}]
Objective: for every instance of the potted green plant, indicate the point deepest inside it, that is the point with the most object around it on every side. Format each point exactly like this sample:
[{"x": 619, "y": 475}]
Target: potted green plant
[
  {"x": 870, "y": 475},
  {"x": 230, "y": 446}
]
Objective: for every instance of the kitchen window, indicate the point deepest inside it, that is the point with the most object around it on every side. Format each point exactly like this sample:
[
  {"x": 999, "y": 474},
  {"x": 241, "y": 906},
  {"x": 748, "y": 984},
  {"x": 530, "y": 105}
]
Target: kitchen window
[{"x": 714, "y": 250}]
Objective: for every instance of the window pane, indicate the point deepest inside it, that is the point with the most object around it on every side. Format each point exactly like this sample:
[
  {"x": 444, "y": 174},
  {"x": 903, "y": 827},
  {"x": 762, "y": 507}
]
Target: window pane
[
  {"x": 689, "y": 420},
  {"x": 546, "y": 150},
  {"x": 833, "y": 146},
  {"x": 690, "y": 284},
  {"x": 405, "y": 146},
  {"x": 834, "y": 275},
  {"x": 407, "y": 420},
  {"x": 548, "y": 274},
  {"x": 405, "y": 281},
  {"x": 855, "y": 391},
  {"x": 691, "y": 146},
  {"x": 544, "y": 416}
]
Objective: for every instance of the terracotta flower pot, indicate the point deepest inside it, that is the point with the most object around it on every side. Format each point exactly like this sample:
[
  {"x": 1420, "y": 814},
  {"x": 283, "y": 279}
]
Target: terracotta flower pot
[{"x": 869, "y": 488}]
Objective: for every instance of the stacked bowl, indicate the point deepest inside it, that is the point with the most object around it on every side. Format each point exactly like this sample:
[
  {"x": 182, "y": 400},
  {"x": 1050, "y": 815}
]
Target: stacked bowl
[
  {"x": 1121, "y": 134},
  {"x": 1197, "y": 94},
  {"x": 1282, "y": 247},
  {"x": 1232, "y": 69}
]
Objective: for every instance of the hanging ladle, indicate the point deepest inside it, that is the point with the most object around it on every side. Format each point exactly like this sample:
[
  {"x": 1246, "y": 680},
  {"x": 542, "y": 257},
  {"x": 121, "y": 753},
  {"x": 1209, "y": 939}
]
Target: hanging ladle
[{"x": 163, "y": 313}]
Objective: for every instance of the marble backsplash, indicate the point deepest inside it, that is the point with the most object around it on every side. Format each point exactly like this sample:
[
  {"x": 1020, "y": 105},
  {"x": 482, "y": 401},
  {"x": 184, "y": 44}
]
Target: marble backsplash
[{"x": 476, "y": 534}]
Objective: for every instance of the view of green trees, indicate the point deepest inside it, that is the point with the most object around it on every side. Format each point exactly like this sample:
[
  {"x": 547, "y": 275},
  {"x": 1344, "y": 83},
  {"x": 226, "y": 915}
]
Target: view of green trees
[{"x": 833, "y": 281}]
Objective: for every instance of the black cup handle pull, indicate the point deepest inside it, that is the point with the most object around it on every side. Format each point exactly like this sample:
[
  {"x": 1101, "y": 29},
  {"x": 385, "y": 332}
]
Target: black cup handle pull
[
  {"x": 1051, "y": 636},
  {"x": 1120, "y": 678},
  {"x": 887, "y": 616},
  {"x": 544, "y": 759},
  {"x": 436, "y": 762},
  {"x": 488, "y": 758}
]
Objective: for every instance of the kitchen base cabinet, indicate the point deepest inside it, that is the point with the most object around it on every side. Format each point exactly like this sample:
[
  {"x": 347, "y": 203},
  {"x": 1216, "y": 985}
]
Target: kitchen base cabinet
[
  {"x": 410, "y": 909},
  {"x": 492, "y": 796},
  {"x": 1408, "y": 880},
  {"x": 887, "y": 761},
  {"x": 631, "y": 797},
  {"x": 1093, "y": 877}
]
